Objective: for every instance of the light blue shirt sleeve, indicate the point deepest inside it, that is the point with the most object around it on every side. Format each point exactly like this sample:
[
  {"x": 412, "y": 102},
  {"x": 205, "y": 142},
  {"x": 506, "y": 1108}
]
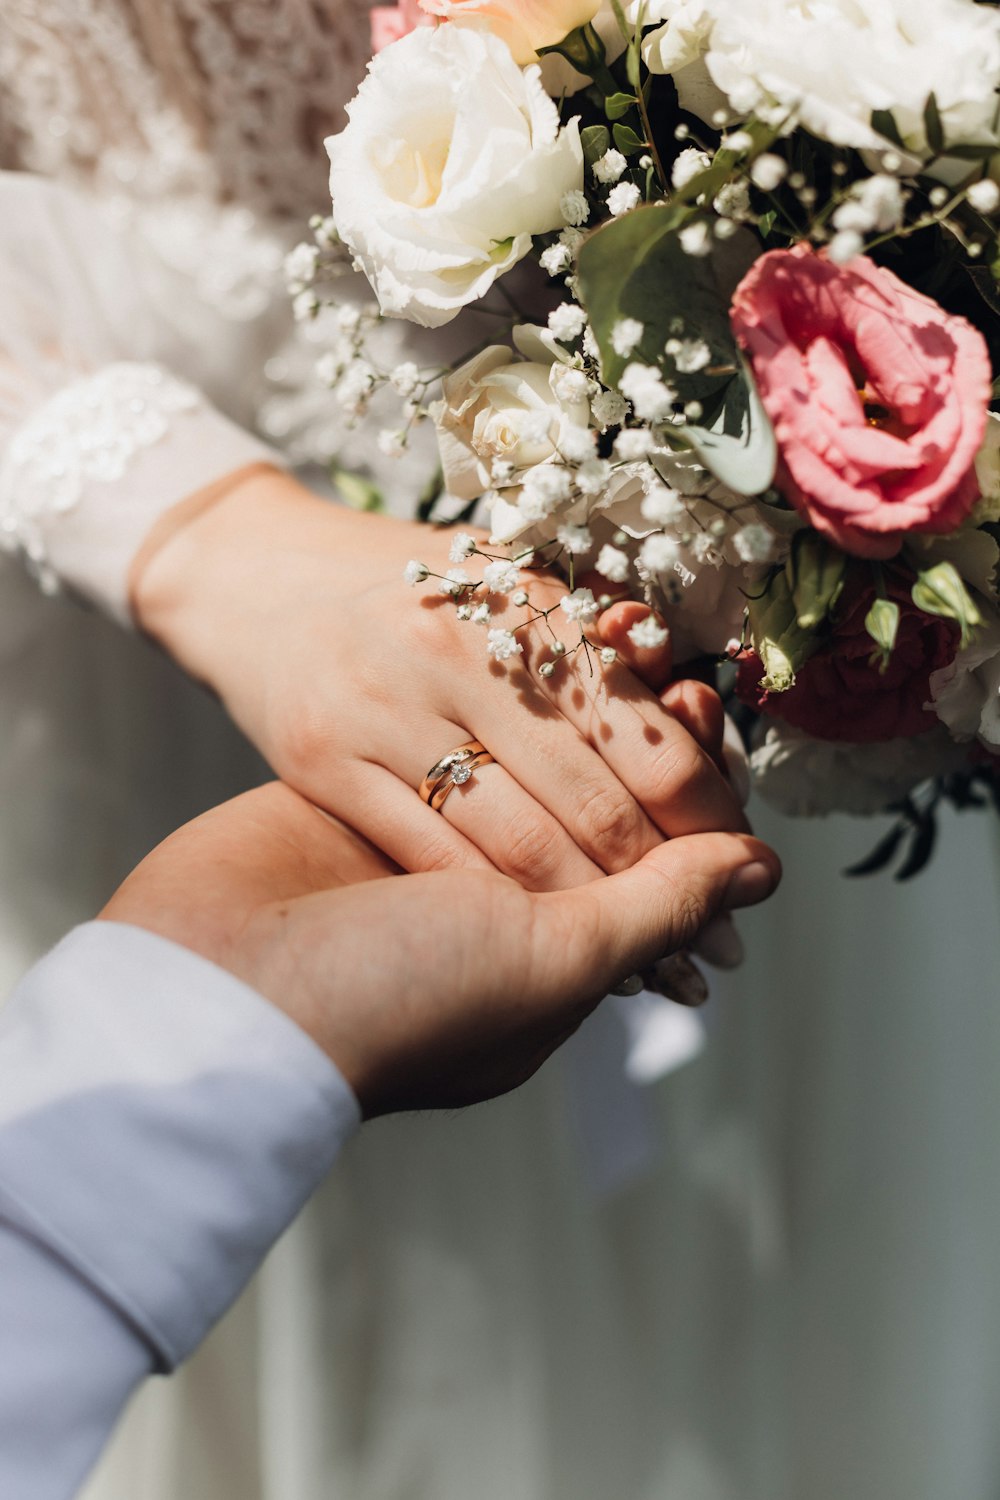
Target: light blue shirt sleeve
[{"x": 160, "y": 1125}]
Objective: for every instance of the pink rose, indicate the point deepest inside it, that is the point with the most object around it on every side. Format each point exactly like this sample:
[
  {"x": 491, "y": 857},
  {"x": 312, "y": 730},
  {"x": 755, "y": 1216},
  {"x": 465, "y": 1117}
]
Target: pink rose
[
  {"x": 839, "y": 695},
  {"x": 390, "y": 22},
  {"x": 525, "y": 25},
  {"x": 877, "y": 395}
]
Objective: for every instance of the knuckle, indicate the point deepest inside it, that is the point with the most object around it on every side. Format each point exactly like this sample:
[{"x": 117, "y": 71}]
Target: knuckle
[
  {"x": 613, "y": 826},
  {"x": 531, "y": 851},
  {"x": 439, "y": 854},
  {"x": 682, "y": 774},
  {"x": 308, "y": 746}
]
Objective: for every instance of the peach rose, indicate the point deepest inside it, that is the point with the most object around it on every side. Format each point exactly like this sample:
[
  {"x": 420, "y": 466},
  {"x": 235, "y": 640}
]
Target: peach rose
[
  {"x": 390, "y": 22},
  {"x": 525, "y": 25},
  {"x": 877, "y": 395}
]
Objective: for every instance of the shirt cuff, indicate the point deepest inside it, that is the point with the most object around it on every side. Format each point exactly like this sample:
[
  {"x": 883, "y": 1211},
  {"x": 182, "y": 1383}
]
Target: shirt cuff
[
  {"x": 90, "y": 471},
  {"x": 160, "y": 1125}
]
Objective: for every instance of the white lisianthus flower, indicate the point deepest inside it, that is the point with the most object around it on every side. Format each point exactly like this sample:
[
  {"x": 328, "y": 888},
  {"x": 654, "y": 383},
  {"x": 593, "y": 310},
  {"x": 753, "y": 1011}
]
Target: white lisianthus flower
[
  {"x": 525, "y": 25},
  {"x": 497, "y": 407},
  {"x": 808, "y": 778},
  {"x": 452, "y": 158},
  {"x": 965, "y": 694},
  {"x": 836, "y": 63}
]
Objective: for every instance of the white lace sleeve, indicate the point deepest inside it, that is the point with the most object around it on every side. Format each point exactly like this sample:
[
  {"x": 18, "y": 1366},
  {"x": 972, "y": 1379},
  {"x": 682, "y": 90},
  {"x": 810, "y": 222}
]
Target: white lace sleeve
[{"x": 97, "y": 437}]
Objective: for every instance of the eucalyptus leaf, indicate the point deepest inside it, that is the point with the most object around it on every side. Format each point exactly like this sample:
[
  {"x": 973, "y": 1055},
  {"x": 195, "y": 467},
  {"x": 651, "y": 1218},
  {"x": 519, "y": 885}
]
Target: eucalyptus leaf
[
  {"x": 933, "y": 125},
  {"x": 634, "y": 267},
  {"x": 884, "y": 122},
  {"x": 739, "y": 448}
]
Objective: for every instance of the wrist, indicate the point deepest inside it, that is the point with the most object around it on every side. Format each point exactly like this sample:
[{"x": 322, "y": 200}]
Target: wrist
[{"x": 201, "y": 581}]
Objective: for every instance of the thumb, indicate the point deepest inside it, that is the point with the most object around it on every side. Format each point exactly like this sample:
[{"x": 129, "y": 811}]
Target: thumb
[{"x": 624, "y": 923}]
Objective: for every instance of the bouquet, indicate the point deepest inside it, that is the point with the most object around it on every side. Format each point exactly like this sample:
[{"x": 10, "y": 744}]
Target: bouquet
[{"x": 745, "y": 371}]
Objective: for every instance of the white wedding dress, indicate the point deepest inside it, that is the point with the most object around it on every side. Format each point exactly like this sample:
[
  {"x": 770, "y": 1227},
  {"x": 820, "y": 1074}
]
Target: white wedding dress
[{"x": 794, "y": 1295}]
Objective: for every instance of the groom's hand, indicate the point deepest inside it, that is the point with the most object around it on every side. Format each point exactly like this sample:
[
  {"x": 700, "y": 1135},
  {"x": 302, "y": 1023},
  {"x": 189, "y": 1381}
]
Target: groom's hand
[{"x": 425, "y": 990}]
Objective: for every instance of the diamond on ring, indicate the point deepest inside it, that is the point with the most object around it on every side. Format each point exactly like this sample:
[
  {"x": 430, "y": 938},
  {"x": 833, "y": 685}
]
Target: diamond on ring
[{"x": 453, "y": 769}]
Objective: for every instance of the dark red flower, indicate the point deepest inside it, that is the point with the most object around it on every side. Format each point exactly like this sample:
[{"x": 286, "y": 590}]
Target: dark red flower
[{"x": 840, "y": 695}]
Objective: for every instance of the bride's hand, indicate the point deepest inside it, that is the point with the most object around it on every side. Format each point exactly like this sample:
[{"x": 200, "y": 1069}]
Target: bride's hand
[
  {"x": 426, "y": 990},
  {"x": 352, "y": 686}
]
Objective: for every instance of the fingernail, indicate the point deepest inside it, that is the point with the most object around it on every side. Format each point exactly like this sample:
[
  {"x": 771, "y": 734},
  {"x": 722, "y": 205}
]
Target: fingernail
[
  {"x": 678, "y": 979},
  {"x": 748, "y": 886},
  {"x": 630, "y": 986},
  {"x": 720, "y": 944}
]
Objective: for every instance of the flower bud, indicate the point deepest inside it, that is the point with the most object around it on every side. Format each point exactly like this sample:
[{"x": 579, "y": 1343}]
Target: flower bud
[
  {"x": 777, "y": 636},
  {"x": 940, "y": 591},
  {"x": 816, "y": 573},
  {"x": 882, "y": 624}
]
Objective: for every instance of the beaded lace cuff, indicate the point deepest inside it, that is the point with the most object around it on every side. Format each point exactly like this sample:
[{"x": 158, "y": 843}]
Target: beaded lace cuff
[{"x": 84, "y": 479}]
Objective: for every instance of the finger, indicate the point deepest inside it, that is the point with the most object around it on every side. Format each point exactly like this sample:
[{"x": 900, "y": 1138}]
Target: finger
[
  {"x": 626, "y": 922},
  {"x": 676, "y": 783},
  {"x": 699, "y": 708},
  {"x": 495, "y": 813},
  {"x": 516, "y": 833},
  {"x": 653, "y": 664},
  {"x": 553, "y": 762},
  {"x": 734, "y": 753},
  {"x": 393, "y": 817}
]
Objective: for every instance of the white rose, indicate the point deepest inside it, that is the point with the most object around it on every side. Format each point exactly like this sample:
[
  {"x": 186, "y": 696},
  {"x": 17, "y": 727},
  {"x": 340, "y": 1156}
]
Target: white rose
[
  {"x": 452, "y": 158},
  {"x": 808, "y": 778},
  {"x": 499, "y": 408},
  {"x": 839, "y": 61}
]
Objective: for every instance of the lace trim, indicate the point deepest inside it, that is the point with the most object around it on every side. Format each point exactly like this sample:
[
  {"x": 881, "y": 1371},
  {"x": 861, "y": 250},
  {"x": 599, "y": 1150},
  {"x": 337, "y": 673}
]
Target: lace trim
[{"x": 88, "y": 433}]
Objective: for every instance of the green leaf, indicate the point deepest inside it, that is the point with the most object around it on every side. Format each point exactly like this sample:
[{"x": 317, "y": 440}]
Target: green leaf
[
  {"x": 882, "y": 854},
  {"x": 628, "y": 143},
  {"x": 634, "y": 267},
  {"x": 766, "y": 222},
  {"x": 633, "y": 69},
  {"x": 884, "y": 122},
  {"x": 986, "y": 284},
  {"x": 358, "y": 492},
  {"x": 617, "y": 105},
  {"x": 595, "y": 140},
  {"x": 921, "y": 848},
  {"x": 882, "y": 624},
  {"x": 933, "y": 125},
  {"x": 970, "y": 152},
  {"x": 739, "y": 448},
  {"x": 940, "y": 591}
]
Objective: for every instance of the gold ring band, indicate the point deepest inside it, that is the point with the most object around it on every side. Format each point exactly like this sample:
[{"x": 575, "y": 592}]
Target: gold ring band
[{"x": 452, "y": 770}]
